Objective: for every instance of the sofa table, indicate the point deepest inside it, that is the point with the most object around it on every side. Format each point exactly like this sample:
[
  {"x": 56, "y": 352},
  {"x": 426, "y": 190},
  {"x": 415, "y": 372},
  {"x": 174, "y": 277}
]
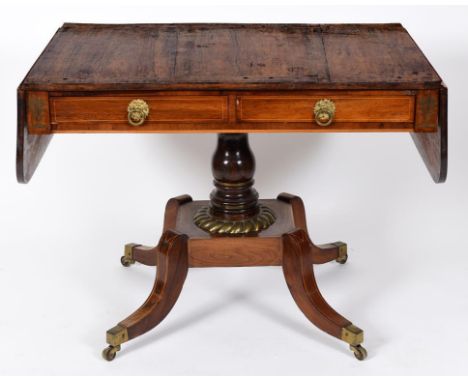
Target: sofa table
[{"x": 232, "y": 79}]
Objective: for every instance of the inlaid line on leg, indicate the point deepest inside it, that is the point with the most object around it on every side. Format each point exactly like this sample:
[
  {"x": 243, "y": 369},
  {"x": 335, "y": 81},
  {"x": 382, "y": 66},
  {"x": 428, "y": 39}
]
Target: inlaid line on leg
[
  {"x": 172, "y": 261},
  {"x": 298, "y": 268}
]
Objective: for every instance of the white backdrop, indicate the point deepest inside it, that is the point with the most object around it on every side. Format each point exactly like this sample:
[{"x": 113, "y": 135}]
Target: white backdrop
[{"x": 61, "y": 236}]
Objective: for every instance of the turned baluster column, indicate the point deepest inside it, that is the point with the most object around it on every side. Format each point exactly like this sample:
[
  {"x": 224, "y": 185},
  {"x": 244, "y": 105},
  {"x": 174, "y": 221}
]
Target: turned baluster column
[{"x": 234, "y": 207}]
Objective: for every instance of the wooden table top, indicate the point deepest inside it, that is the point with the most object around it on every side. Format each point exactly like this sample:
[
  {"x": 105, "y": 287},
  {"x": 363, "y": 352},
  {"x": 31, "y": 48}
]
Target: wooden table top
[
  {"x": 231, "y": 56},
  {"x": 232, "y": 78}
]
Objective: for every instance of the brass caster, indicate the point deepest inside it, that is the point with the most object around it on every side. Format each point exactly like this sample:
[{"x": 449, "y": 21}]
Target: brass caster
[
  {"x": 126, "y": 262},
  {"x": 342, "y": 259},
  {"x": 110, "y": 352},
  {"x": 127, "y": 259},
  {"x": 359, "y": 352}
]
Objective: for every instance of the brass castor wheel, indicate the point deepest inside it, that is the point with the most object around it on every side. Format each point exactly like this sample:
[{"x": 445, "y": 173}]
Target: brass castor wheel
[
  {"x": 342, "y": 259},
  {"x": 127, "y": 258},
  {"x": 110, "y": 352},
  {"x": 359, "y": 352},
  {"x": 126, "y": 262}
]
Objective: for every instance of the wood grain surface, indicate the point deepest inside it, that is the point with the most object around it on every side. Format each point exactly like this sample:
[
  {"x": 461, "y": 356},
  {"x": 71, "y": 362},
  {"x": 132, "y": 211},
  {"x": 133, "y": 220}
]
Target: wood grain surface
[
  {"x": 183, "y": 245},
  {"x": 231, "y": 78},
  {"x": 433, "y": 147},
  {"x": 29, "y": 147},
  {"x": 298, "y": 269},
  {"x": 349, "y": 108},
  {"x": 172, "y": 268},
  {"x": 231, "y": 111},
  {"x": 162, "y": 109},
  {"x": 231, "y": 56}
]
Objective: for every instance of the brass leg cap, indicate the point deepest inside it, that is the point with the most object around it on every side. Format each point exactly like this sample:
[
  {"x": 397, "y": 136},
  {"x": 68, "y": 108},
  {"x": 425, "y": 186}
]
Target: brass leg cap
[
  {"x": 352, "y": 335},
  {"x": 342, "y": 252},
  {"x": 110, "y": 352},
  {"x": 359, "y": 352},
  {"x": 117, "y": 336}
]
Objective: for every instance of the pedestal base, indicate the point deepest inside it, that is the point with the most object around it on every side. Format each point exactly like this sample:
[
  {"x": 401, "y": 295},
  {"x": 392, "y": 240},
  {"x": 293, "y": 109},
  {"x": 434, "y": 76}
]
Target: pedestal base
[{"x": 183, "y": 245}]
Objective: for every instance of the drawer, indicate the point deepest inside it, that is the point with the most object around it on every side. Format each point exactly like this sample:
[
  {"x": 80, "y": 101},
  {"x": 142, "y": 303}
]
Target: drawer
[
  {"x": 110, "y": 112},
  {"x": 234, "y": 112},
  {"x": 348, "y": 108}
]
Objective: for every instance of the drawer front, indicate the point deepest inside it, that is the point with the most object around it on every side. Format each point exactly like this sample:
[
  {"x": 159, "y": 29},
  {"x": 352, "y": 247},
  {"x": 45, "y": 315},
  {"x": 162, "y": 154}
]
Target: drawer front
[
  {"x": 67, "y": 111},
  {"x": 233, "y": 112},
  {"x": 348, "y": 108}
]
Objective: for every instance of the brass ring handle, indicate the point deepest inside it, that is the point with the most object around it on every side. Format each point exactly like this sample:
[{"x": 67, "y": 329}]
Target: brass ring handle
[
  {"x": 138, "y": 111},
  {"x": 324, "y": 112}
]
